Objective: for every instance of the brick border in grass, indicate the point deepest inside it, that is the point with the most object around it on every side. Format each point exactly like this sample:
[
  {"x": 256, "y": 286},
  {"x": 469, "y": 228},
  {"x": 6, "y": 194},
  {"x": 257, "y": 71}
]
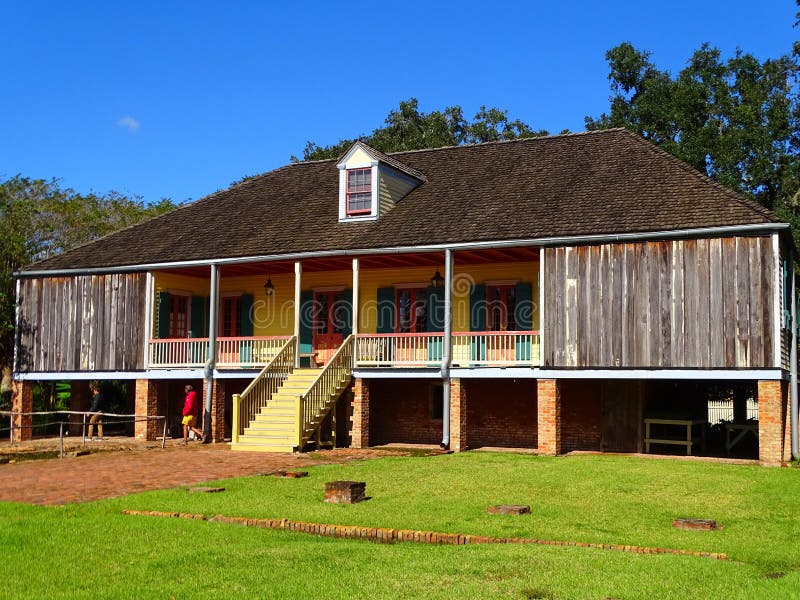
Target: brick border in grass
[{"x": 381, "y": 534}]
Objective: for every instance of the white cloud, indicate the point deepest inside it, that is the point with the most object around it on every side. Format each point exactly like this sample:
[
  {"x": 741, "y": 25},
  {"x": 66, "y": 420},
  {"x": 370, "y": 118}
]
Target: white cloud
[{"x": 129, "y": 123}]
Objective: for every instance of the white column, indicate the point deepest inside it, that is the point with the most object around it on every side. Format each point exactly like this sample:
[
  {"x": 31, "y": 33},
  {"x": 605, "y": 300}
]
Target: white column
[
  {"x": 298, "y": 269},
  {"x": 148, "y": 318},
  {"x": 447, "y": 345},
  {"x": 541, "y": 306},
  {"x": 355, "y": 296},
  {"x": 211, "y": 351}
]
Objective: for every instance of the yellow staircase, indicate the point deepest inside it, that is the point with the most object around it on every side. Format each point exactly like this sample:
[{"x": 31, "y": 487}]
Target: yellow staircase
[
  {"x": 274, "y": 428},
  {"x": 291, "y": 411}
]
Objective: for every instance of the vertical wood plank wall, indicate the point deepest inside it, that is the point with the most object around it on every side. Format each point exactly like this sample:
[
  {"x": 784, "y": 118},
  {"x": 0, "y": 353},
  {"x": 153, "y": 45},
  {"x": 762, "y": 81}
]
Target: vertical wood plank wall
[
  {"x": 704, "y": 303},
  {"x": 86, "y": 323}
]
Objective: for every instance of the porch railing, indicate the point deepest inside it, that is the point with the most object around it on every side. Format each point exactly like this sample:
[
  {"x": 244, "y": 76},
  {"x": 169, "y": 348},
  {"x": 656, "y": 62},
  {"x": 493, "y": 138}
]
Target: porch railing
[
  {"x": 496, "y": 349},
  {"x": 248, "y": 352},
  {"x": 399, "y": 349},
  {"x": 260, "y": 391},
  {"x": 232, "y": 352},
  {"x": 470, "y": 349},
  {"x": 177, "y": 353},
  {"x": 314, "y": 405}
]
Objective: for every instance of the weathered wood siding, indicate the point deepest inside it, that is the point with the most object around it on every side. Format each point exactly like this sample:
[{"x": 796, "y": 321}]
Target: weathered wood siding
[
  {"x": 86, "y": 323},
  {"x": 705, "y": 303}
]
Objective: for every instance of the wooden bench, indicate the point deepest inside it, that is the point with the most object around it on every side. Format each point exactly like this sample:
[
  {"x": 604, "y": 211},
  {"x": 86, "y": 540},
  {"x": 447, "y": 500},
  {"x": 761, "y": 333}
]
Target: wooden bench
[{"x": 687, "y": 424}]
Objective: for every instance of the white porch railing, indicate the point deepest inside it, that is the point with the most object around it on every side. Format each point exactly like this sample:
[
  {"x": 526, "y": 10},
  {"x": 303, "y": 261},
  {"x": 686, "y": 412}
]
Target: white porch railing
[
  {"x": 496, "y": 349},
  {"x": 177, "y": 353},
  {"x": 232, "y": 352},
  {"x": 470, "y": 349},
  {"x": 399, "y": 349},
  {"x": 248, "y": 352}
]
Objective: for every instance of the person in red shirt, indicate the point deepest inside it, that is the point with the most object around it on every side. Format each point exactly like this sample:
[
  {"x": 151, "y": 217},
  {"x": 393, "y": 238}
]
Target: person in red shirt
[{"x": 189, "y": 411}]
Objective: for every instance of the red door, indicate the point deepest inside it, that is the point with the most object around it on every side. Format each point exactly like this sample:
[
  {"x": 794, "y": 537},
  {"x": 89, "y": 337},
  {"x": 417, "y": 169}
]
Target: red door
[{"x": 329, "y": 324}]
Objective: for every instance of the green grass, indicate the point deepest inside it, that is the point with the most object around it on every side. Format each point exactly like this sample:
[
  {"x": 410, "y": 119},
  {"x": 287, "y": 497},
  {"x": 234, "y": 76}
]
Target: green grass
[{"x": 92, "y": 550}]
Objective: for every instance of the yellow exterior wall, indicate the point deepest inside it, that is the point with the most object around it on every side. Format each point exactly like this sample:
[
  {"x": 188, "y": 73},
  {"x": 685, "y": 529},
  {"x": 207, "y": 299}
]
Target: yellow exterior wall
[{"x": 275, "y": 316}]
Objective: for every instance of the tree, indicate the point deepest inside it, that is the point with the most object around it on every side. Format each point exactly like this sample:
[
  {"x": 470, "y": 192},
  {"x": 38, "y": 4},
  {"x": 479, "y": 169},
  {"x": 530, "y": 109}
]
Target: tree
[
  {"x": 736, "y": 119},
  {"x": 38, "y": 219},
  {"x": 409, "y": 129}
]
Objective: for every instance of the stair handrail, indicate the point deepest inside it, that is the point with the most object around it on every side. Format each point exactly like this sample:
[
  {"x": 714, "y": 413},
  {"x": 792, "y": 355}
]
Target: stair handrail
[
  {"x": 314, "y": 404},
  {"x": 264, "y": 385}
]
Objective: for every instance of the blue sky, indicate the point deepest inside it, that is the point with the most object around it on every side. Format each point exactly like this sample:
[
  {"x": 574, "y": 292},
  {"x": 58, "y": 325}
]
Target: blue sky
[{"x": 169, "y": 99}]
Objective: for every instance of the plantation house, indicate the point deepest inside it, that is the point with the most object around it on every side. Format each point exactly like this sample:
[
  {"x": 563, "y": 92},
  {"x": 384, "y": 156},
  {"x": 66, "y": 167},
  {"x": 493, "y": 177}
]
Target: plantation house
[{"x": 576, "y": 292}]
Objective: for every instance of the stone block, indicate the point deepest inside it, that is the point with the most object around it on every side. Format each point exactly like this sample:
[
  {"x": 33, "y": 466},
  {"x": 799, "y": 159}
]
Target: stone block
[
  {"x": 509, "y": 509},
  {"x": 345, "y": 492},
  {"x": 695, "y": 524},
  {"x": 291, "y": 474}
]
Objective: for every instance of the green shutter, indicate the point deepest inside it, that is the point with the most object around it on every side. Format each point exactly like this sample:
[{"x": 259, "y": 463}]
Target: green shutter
[
  {"x": 523, "y": 315},
  {"x": 345, "y": 312},
  {"x": 435, "y": 322},
  {"x": 477, "y": 321},
  {"x": 245, "y": 327},
  {"x": 386, "y": 310},
  {"x": 246, "y": 315},
  {"x": 198, "y": 327},
  {"x": 306, "y": 322},
  {"x": 477, "y": 307},
  {"x": 164, "y": 301}
]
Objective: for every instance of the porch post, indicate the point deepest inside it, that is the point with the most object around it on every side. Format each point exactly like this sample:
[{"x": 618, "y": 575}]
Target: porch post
[
  {"x": 355, "y": 296},
  {"x": 447, "y": 345},
  {"x": 298, "y": 269},
  {"x": 541, "y": 307},
  {"x": 148, "y": 318},
  {"x": 211, "y": 352},
  {"x": 548, "y": 400},
  {"x": 22, "y": 402}
]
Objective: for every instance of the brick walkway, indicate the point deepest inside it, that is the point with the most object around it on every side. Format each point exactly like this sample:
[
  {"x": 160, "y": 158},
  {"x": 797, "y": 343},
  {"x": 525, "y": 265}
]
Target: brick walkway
[{"x": 141, "y": 467}]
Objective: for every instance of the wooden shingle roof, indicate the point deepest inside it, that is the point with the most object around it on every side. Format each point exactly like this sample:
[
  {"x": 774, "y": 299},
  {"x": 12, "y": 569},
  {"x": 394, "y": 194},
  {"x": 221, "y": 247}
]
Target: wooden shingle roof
[{"x": 604, "y": 182}]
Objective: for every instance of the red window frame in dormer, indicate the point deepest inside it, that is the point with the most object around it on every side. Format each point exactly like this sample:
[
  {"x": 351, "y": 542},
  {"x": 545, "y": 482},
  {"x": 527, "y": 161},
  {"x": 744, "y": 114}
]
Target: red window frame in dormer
[{"x": 358, "y": 189}]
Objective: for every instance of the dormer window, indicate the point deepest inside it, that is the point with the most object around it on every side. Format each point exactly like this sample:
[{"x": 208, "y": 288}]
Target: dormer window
[
  {"x": 371, "y": 183},
  {"x": 359, "y": 191}
]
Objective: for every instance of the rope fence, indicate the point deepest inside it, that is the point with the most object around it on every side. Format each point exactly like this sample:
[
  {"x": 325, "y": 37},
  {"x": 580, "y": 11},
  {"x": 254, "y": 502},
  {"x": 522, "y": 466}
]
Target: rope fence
[{"x": 118, "y": 418}]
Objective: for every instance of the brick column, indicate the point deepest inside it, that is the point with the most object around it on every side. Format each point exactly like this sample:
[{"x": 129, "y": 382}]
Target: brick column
[
  {"x": 549, "y": 408},
  {"x": 458, "y": 415},
  {"x": 218, "y": 411},
  {"x": 147, "y": 404},
  {"x": 774, "y": 444},
  {"x": 22, "y": 401},
  {"x": 359, "y": 434},
  {"x": 78, "y": 400}
]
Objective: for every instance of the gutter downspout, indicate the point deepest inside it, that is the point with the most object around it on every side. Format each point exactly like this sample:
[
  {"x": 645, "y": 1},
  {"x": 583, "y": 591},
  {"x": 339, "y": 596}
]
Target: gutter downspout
[
  {"x": 211, "y": 353},
  {"x": 793, "y": 416},
  {"x": 447, "y": 347}
]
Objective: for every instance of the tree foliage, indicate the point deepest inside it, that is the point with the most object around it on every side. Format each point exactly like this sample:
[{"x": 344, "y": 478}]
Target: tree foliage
[
  {"x": 409, "y": 129},
  {"x": 39, "y": 218},
  {"x": 736, "y": 119}
]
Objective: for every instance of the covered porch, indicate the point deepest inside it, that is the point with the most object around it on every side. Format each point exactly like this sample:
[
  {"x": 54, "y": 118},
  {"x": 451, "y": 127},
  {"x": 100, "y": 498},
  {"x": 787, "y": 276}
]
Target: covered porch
[{"x": 241, "y": 316}]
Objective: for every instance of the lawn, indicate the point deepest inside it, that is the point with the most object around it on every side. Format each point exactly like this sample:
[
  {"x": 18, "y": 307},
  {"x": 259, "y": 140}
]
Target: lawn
[{"x": 92, "y": 549}]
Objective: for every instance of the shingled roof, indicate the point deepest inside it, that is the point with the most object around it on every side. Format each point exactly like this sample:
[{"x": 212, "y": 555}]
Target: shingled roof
[{"x": 604, "y": 182}]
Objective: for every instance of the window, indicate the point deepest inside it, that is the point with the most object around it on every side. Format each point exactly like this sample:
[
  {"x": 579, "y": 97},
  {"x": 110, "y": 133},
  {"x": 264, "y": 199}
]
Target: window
[
  {"x": 229, "y": 317},
  {"x": 359, "y": 191},
  {"x": 501, "y": 304},
  {"x": 179, "y": 317},
  {"x": 412, "y": 310},
  {"x": 436, "y": 402}
]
